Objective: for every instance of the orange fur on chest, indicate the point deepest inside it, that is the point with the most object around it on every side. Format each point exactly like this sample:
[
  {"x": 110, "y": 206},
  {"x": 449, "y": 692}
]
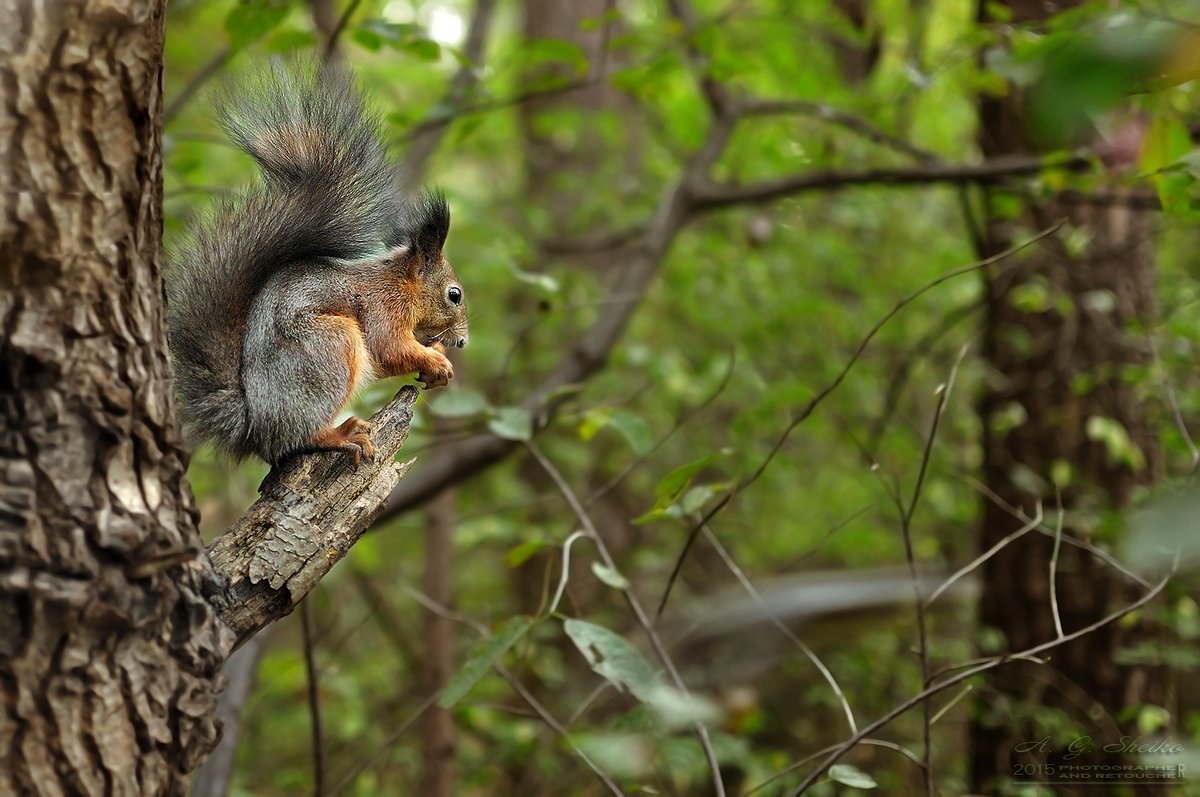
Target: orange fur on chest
[{"x": 358, "y": 359}]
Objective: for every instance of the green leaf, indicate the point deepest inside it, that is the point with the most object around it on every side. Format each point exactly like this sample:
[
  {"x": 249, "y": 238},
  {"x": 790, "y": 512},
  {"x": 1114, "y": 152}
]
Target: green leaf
[
  {"x": 671, "y": 500},
  {"x": 458, "y": 403},
  {"x": 698, "y": 496},
  {"x": 512, "y": 423},
  {"x": 542, "y": 51},
  {"x": 1165, "y": 527},
  {"x": 519, "y": 554},
  {"x": 634, "y": 429},
  {"x": 425, "y": 49},
  {"x": 543, "y": 282},
  {"x": 1030, "y": 297},
  {"x": 594, "y": 420},
  {"x": 1121, "y": 449},
  {"x": 622, "y": 755},
  {"x": 483, "y": 655},
  {"x": 676, "y": 709},
  {"x": 394, "y": 33},
  {"x": 289, "y": 40},
  {"x": 1165, "y": 143},
  {"x": 848, "y": 775},
  {"x": 610, "y": 576},
  {"x": 612, "y": 658},
  {"x": 248, "y": 22},
  {"x": 629, "y": 425},
  {"x": 368, "y": 40},
  {"x": 676, "y": 481}
]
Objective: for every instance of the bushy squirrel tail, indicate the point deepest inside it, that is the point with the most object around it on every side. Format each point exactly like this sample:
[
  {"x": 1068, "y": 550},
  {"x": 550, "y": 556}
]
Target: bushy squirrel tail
[{"x": 328, "y": 192}]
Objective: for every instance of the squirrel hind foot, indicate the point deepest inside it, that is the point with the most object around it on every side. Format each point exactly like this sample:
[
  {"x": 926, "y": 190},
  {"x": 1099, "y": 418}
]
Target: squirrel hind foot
[{"x": 350, "y": 437}]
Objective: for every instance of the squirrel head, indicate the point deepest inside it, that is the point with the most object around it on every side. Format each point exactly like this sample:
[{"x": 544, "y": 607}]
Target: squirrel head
[{"x": 441, "y": 305}]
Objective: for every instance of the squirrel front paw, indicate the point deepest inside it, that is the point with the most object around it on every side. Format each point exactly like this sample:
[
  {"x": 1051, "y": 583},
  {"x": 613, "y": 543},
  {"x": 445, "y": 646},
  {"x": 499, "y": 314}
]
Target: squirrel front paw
[
  {"x": 438, "y": 375},
  {"x": 436, "y": 371}
]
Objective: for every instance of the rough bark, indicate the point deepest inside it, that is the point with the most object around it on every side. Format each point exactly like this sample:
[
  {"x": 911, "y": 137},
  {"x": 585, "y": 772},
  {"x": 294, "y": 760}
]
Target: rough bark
[
  {"x": 312, "y": 511},
  {"x": 109, "y": 653},
  {"x": 216, "y": 775},
  {"x": 1052, "y": 370}
]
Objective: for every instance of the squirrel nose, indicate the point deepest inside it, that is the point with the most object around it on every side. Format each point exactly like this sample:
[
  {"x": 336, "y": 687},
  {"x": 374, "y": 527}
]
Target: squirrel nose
[{"x": 461, "y": 342}]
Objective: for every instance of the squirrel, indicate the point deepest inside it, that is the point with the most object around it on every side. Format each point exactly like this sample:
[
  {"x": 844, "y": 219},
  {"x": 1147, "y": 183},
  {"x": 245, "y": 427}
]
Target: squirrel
[{"x": 299, "y": 290}]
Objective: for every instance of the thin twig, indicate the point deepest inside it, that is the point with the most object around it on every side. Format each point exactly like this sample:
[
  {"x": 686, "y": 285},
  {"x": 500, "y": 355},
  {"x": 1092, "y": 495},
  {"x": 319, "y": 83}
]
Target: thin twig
[
  {"x": 1173, "y": 403},
  {"x": 841, "y": 118},
  {"x": 423, "y": 143},
  {"x": 314, "y": 699},
  {"x": 951, "y": 703},
  {"x": 557, "y": 727},
  {"x": 832, "y": 386},
  {"x": 990, "y": 664},
  {"x": 681, "y": 420},
  {"x": 566, "y": 570},
  {"x": 903, "y": 369},
  {"x": 391, "y": 739},
  {"x": 714, "y": 92},
  {"x": 1017, "y": 513},
  {"x": 1058, "y": 536},
  {"x": 635, "y": 606},
  {"x": 202, "y": 76},
  {"x": 988, "y": 554},
  {"x": 906, "y": 530},
  {"x": 336, "y": 33},
  {"x": 753, "y": 592},
  {"x": 537, "y": 708}
]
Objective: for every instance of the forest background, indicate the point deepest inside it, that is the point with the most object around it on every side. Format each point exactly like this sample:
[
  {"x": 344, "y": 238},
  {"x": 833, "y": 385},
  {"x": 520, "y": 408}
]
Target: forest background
[{"x": 731, "y": 318}]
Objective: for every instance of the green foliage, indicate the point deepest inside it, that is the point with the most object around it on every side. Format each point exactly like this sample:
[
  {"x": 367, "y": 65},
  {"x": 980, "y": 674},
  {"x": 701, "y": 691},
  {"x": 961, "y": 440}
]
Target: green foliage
[{"x": 481, "y": 658}]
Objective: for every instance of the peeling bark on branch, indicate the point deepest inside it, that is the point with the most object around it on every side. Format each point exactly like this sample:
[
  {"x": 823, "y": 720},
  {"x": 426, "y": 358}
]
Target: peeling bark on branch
[{"x": 312, "y": 510}]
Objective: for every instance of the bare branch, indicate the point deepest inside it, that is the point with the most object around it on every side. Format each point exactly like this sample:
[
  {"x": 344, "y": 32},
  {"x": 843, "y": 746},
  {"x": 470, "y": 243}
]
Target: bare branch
[
  {"x": 964, "y": 675},
  {"x": 426, "y": 136},
  {"x": 332, "y": 36},
  {"x": 753, "y": 592},
  {"x": 713, "y": 196},
  {"x": 715, "y": 93},
  {"x": 590, "y": 352},
  {"x": 314, "y": 698},
  {"x": 693, "y": 193},
  {"x": 202, "y": 76},
  {"x": 839, "y": 117},
  {"x": 907, "y": 513},
  {"x": 635, "y": 605},
  {"x": 816, "y": 400},
  {"x": 312, "y": 510}
]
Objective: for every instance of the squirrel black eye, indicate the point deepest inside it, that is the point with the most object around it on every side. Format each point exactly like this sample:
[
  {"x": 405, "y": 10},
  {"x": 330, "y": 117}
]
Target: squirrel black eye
[{"x": 454, "y": 294}]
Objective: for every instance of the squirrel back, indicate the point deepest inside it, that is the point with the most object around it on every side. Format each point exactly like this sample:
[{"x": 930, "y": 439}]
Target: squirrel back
[{"x": 328, "y": 195}]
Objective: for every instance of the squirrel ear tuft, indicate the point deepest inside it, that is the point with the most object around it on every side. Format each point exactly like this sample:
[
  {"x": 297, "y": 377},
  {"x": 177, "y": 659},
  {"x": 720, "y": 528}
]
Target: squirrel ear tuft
[{"x": 430, "y": 223}]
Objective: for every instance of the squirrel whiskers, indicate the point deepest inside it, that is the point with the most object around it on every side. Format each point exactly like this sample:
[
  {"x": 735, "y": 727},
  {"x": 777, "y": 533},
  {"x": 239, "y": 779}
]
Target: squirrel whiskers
[{"x": 299, "y": 290}]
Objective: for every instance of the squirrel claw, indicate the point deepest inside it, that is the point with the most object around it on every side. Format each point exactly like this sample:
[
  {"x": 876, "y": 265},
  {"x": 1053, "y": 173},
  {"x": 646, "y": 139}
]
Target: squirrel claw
[
  {"x": 350, "y": 437},
  {"x": 357, "y": 442},
  {"x": 434, "y": 379},
  {"x": 441, "y": 373}
]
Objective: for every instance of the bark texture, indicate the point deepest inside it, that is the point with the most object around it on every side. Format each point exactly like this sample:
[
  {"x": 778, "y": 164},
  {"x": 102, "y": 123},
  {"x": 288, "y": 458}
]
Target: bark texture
[
  {"x": 312, "y": 511},
  {"x": 109, "y": 654},
  {"x": 1058, "y": 367}
]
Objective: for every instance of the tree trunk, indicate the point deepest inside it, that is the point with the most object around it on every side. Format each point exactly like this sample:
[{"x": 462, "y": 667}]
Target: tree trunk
[
  {"x": 1064, "y": 332},
  {"x": 109, "y": 654},
  {"x": 437, "y": 725}
]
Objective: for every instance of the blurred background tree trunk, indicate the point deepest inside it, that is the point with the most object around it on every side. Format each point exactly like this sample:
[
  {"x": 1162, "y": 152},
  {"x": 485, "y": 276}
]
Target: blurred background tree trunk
[{"x": 1064, "y": 331}]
